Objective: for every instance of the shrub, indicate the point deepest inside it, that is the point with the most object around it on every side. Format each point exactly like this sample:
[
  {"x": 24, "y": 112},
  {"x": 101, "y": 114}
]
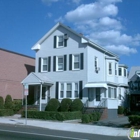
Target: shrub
[
  {"x": 52, "y": 105},
  {"x": 85, "y": 118},
  {"x": 98, "y": 115},
  {"x": 76, "y": 105},
  {"x": 8, "y": 102},
  {"x": 1, "y": 102},
  {"x": 95, "y": 116},
  {"x": 120, "y": 110},
  {"x": 134, "y": 119},
  {"x": 17, "y": 105},
  {"x": 65, "y": 104},
  {"x": 52, "y": 115},
  {"x": 6, "y": 112}
]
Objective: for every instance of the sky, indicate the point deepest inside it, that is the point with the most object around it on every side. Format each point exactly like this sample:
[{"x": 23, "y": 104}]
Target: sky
[{"x": 112, "y": 24}]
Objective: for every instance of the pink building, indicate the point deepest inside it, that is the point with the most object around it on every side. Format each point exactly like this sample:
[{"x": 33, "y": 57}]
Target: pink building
[{"x": 14, "y": 67}]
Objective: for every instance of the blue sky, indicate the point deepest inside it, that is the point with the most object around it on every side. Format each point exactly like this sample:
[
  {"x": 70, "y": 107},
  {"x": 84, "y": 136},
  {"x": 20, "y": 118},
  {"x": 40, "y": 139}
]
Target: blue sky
[{"x": 113, "y": 24}]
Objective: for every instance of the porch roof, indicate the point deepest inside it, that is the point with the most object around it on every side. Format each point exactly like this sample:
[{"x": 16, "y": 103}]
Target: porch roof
[
  {"x": 96, "y": 85},
  {"x": 37, "y": 78}
]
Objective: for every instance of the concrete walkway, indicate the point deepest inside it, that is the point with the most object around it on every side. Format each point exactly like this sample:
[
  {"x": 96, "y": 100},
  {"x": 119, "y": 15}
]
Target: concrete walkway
[{"x": 66, "y": 126}]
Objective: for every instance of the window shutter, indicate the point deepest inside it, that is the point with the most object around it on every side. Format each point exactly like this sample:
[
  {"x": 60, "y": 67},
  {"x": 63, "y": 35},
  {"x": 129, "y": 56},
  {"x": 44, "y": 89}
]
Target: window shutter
[
  {"x": 65, "y": 62},
  {"x": 70, "y": 62},
  {"x": 80, "y": 89},
  {"x": 65, "y": 40},
  {"x": 55, "y": 41},
  {"x": 82, "y": 61},
  {"x": 57, "y": 90},
  {"x": 39, "y": 64},
  {"x": 54, "y": 63},
  {"x": 49, "y": 64}
]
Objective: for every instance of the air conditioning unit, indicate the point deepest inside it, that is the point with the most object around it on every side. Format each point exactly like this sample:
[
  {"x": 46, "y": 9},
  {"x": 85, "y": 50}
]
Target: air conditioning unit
[{"x": 66, "y": 36}]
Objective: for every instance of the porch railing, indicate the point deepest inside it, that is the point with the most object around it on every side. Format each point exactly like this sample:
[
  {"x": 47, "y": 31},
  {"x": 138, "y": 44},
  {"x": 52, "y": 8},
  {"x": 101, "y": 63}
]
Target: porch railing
[{"x": 102, "y": 103}]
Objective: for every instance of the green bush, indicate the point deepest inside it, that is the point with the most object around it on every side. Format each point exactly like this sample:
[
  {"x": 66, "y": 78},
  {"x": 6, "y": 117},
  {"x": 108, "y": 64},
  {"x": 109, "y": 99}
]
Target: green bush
[
  {"x": 76, "y": 105},
  {"x": 6, "y": 112},
  {"x": 85, "y": 118},
  {"x": 1, "y": 102},
  {"x": 8, "y": 102},
  {"x": 134, "y": 119},
  {"x": 52, "y": 105},
  {"x": 95, "y": 116},
  {"x": 65, "y": 104},
  {"x": 98, "y": 115},
  {"x": 17, "y": 105},
  {"x": 52, "y": 115},
  {"x": 120, "y": 110}
]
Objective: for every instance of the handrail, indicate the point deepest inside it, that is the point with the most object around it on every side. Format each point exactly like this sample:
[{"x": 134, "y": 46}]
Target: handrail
[{"x": 102, "y": 103}]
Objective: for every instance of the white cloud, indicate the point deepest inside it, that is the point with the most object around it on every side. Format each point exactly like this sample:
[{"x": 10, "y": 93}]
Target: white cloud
[
  {"x": 76, "y": 1},
  {"x": 91, "y": 11},
  {"x": 49, "y": 15},
  {"x": 99, "y": 22},
  {"x": 121, "y": 49}
]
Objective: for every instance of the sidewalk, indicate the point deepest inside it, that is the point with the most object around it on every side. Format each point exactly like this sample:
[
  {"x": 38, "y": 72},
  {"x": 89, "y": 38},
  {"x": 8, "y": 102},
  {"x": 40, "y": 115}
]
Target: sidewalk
[{"x": 66, "y": 126}]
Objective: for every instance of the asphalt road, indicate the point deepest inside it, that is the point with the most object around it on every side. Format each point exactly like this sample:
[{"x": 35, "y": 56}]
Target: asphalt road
[{"x": 20, "y": 132}]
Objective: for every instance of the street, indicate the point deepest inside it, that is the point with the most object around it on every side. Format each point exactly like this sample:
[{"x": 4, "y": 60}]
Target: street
[{"x": 20, "y": 132}]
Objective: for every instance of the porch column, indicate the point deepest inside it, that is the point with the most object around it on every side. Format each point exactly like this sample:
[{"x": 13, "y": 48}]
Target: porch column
[{"x": 40, "y": 97}]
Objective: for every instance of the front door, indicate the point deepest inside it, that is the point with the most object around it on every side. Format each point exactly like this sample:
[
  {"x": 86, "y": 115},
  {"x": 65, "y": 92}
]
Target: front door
[
  {"x": 97, "y": 96},
  {"x": 44, "y": 94}
]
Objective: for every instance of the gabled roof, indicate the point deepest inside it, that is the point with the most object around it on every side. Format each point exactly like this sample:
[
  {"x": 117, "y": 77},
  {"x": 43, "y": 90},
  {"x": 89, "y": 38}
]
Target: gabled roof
[
  {"x": 83, "y": 39},
  {"x": 36, "y": 78},
  {"x": 133, "y": 71}
]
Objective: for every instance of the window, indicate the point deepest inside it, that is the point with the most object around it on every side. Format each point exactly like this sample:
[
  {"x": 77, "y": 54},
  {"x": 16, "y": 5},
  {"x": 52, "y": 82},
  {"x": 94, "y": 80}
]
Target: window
[
  {"x": 69, "y": 90},
  {"x": 76, "y": 62},
  {"x": 76, "y": 90},
  {"x": 124, "y": 72},
  {"x": 112, "y": 92},
  {"x": 110, "y": 68},
  {"x": 60, "y": 41},
  {"x": 120, "y": 71},
  {"x": 96, "y": 64},
  {"x": 44, "y": 64},
  {"x": 62, "y": 90},
  {"x": 60, "y": 63},
  {"x": 115, "y": 68}
]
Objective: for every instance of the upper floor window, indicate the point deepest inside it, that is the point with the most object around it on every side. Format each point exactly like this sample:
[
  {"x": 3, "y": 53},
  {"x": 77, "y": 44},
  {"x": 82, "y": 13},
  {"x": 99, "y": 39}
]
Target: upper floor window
[
  {"x": 76, "y": 61},
  {"x": 110, "y": 68},
  {"x": 96, "y": 64},
  {"x": 44, "y": 64},
  {"x": 124, "y": 72},
  {"x": 115, "y": 68},
  {"x": 60, "y": 41},
  {"x": 60, "y": 63},
  {"x": 120, "y": 71}
]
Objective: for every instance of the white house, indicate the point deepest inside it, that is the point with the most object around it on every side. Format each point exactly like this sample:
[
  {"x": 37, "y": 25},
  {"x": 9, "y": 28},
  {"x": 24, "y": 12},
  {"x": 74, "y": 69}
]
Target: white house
[{"x": 68, "y": 65}]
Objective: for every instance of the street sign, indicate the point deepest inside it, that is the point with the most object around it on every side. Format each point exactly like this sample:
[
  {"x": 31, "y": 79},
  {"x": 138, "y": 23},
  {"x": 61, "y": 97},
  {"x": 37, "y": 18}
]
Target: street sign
[{"x": 26, "y": 90}]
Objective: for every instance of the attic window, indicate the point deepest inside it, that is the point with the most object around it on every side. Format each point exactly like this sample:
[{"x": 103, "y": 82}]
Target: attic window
[{"x": 60, "y": 41}]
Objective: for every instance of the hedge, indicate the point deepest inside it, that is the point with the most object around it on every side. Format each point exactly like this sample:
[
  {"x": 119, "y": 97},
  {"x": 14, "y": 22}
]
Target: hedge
[
  {"x": 76, "y": 105},
  {"x": 134, "y": 119},
  {"x": 65, "y": 104},
  {"x": 120, "y": 110},
  {"x": 52, "y": 115},
  {"x": 17, "y": 105},
  {"x": 1, "y": 102},
  {"x": 6, "y": 112},
  {"x": 8, "y": 102}
]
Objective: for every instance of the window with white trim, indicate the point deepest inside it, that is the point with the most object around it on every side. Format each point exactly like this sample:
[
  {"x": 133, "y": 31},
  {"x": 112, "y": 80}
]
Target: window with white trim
[
  {"x": 96, "y": 64},
  {"x": 60, "y": 41},
  {"x": 60, "y": 63},
  {"x": 112, "y": 92},
  {"x": 119, "y": 93},
  {"x": 76, "y": 90},
  {"x": 69, "y": 90},
  {"x": 120, "y": 71},
  {"x": 115, "y": 68},
  {"x": 44, "y": 63},
  {"x": 62, "y": 90},
  {"x": 76, "y": 62},
  {"x": 110, "y": 68},
  {"x": 124, "y": 72}
]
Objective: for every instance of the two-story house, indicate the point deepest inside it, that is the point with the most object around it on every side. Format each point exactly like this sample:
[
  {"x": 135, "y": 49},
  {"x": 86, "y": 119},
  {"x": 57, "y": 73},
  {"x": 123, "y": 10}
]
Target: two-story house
[{"x": 68, "y": 65}]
